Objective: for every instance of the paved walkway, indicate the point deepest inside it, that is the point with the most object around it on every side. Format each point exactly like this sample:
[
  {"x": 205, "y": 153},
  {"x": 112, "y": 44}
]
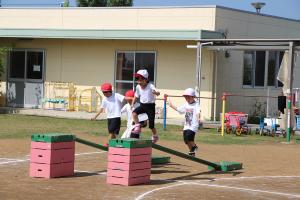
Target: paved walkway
[{"x": 84, "y": 115}]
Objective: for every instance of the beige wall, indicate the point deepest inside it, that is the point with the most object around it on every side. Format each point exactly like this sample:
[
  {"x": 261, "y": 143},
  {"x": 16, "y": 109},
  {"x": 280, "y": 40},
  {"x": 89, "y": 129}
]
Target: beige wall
[
  {"x": 89, "y": 63},
  {"x": 250, "y": 25},
  {"x": 119, "y": 18}
]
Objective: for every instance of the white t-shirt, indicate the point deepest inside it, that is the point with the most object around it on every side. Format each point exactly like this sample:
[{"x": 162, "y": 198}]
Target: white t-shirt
[
  {"x": 191, "y": 112},
  {"x": 113, "y": 105},
  {"x": 127, "y": 108},
  {"x": 145, "y": 95}
]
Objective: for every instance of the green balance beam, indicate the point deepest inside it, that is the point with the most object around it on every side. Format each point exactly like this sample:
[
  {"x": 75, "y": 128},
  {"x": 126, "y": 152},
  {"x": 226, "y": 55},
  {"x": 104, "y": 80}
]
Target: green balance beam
[
  {"x": 185, "y": 156},
  {"x": 220, "y": 166},
  {"x": 154, "y": 160},
  {"x": 92, "y": 144}
]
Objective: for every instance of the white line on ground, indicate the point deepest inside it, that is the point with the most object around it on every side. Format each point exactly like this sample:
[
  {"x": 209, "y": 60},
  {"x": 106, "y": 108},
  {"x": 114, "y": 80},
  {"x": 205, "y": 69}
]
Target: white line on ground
[
  {"x": 246, "y": 189},
  {"x": 157, "y": 189},
  {"x": 88, "y": 153},
  {"x": 99, "y": 173},
  {"x": 14, "y": 161},
  {"x": 8, "y": 159},
  {"x": 140, "y": 197},
  {"x": 255, "y": 177}
]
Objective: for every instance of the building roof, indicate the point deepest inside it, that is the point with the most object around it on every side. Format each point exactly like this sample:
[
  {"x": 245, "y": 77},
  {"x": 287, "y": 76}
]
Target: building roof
[{"x": 187, "y": 35}]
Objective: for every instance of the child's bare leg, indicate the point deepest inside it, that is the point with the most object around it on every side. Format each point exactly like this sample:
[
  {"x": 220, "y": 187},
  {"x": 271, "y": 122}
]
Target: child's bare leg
[
  {"x": 191, "y": 144},
  {"x": 154, "y": 135},
  {"x": 112, "y": 136},
  {"x": 154, "y": 132},
  {"x": 135, "y": 118},
  {"x": 192, "y": 147}
]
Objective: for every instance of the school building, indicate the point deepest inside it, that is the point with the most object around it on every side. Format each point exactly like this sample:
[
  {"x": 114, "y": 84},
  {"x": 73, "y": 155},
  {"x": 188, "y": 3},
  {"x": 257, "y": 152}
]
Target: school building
[{"x": 85, "y": 47}]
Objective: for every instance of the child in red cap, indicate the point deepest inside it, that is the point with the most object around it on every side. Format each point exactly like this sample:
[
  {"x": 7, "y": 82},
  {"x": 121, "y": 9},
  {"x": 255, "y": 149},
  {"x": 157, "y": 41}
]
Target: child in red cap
[
  {"x": 191, "y": 110},
  {"x": 146, "y": 92},
  {"x": 129, "y": 95},
  {"x": 112, "y": 104}
]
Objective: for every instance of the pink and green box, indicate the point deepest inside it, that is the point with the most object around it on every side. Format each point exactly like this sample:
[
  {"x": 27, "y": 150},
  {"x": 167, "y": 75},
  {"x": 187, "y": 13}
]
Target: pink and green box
[
  {"x": 52, "y": 155},
  {"x": 129, "y": 162}
]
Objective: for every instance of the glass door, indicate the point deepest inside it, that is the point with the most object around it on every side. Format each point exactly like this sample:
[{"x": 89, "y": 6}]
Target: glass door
[{"x": 25, "y": 78}]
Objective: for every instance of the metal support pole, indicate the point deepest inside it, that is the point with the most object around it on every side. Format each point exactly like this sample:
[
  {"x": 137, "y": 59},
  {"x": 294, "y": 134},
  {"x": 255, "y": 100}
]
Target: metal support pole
[
  {"x": 198, "y": 69},
  {"x": 165, "y": 112},
  {"x": 289, "y": 91},
  {"x": 268, "y": 102},
  {"x": 199, "y": 65},
  {"x": 223, "y": 113}
]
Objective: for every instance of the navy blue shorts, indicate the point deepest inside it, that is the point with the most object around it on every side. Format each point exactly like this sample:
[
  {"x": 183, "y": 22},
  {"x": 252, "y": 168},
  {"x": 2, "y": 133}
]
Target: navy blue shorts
[
  {"x": 188, "y": 136},
  {"x": 149, "y": 109},
  {"x": 113, "y": 125}
]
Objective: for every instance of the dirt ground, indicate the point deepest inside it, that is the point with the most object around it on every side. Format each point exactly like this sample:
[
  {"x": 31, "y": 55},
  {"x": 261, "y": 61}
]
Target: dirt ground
[{"x": 270, "y": 172}]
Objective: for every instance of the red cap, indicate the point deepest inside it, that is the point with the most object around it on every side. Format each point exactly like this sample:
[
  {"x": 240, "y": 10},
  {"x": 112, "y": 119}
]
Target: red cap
[
  {"x": 129, "y": 93},
  {"x": 106, "y": 87}
]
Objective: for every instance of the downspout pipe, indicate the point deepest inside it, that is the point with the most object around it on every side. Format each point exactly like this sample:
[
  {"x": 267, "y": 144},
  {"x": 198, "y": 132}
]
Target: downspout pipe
[{"x": 199, "y": 65}]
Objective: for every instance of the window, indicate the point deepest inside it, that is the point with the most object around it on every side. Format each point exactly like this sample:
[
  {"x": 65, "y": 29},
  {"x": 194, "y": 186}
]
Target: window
[
  {"x": 272, "y": 68},
  {"x": 28, "y": 61},
  {"x": 260, "y": 58},
  {"x": 255, "y": 67},
  {"x": 248, "y": 68},
  {"x": 17, "y": 64},
  {"x": 127, "y": 63},
  {"x": 34, "y": 65}
]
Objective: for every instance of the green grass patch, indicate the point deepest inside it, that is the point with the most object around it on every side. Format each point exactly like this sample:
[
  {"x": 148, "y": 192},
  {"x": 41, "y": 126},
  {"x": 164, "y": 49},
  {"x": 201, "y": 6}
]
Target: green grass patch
[{"x": 22, "y": 126}]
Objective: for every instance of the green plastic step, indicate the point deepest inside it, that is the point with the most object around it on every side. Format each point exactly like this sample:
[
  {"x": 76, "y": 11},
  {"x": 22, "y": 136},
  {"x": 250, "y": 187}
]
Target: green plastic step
[
  {"x": 130, "y": 143},
  {"x": 228, "y": 166},
  {"x": 160, "y": 160},
  {"x": 52, "y": 137}
]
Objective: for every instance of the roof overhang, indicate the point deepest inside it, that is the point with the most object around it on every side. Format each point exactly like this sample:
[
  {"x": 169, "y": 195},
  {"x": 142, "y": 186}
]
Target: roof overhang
[
  {"x": 188, "y": 35},
  {"x": 250, "y": 44}
]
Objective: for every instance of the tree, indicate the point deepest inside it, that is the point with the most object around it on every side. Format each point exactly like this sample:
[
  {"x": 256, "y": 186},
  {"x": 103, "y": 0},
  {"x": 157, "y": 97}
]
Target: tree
[
  {"x": 117, "y": 3},
  {"x": 66, "y": 3},
  {"x": 91, "y": 3},
  {"x": 3, "y": 52}
]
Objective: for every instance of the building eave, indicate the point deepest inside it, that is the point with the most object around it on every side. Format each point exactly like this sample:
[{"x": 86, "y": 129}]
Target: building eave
[{"x": 185, "y": 35}]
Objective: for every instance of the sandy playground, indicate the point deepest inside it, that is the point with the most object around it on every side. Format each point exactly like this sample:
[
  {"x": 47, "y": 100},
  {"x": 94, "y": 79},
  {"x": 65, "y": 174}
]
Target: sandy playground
[{"x": 270, "y": 172}]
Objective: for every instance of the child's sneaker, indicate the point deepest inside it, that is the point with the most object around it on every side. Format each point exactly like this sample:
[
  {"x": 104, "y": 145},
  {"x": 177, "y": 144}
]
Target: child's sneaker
[
  {"x": 191, "y": 153},
  {"x": 136, "y": 129},
  {"x": 135, "y": 135},
  {"x": 155, "y": 138},
  {"x": 194, "y": 148},
  {"x": 105, "y": 144}
]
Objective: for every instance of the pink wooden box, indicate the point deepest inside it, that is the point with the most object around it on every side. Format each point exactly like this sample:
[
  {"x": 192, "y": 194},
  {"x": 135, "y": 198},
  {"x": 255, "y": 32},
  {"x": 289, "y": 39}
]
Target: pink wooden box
[
  {"x": 57, "y": 145},
  {"x": 127, "y": 181},
  {"x": 130, "y": 151},
  {"x": 52, "y": 156},
  {"x": 128, "y": 167},
  {"x": 128, "y": 174},
  {"x": 51, "y": 171},
  {"x": 129, "y": 159}
]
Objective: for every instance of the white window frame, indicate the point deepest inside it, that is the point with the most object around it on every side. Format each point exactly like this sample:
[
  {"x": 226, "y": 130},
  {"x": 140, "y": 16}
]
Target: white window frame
[
  {"x": 134, "y": 66},
  {"x": 277, "y": 65}
]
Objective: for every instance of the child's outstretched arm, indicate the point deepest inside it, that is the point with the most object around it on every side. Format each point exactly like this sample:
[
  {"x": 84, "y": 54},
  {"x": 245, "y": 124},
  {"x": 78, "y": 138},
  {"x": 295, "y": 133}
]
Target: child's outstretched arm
[
  {"x": 100, "y": 111},
  {"x": 171, "y": 105},
  {"x": 155, "y": 92},
  {"x": 133, "y": 101}
]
